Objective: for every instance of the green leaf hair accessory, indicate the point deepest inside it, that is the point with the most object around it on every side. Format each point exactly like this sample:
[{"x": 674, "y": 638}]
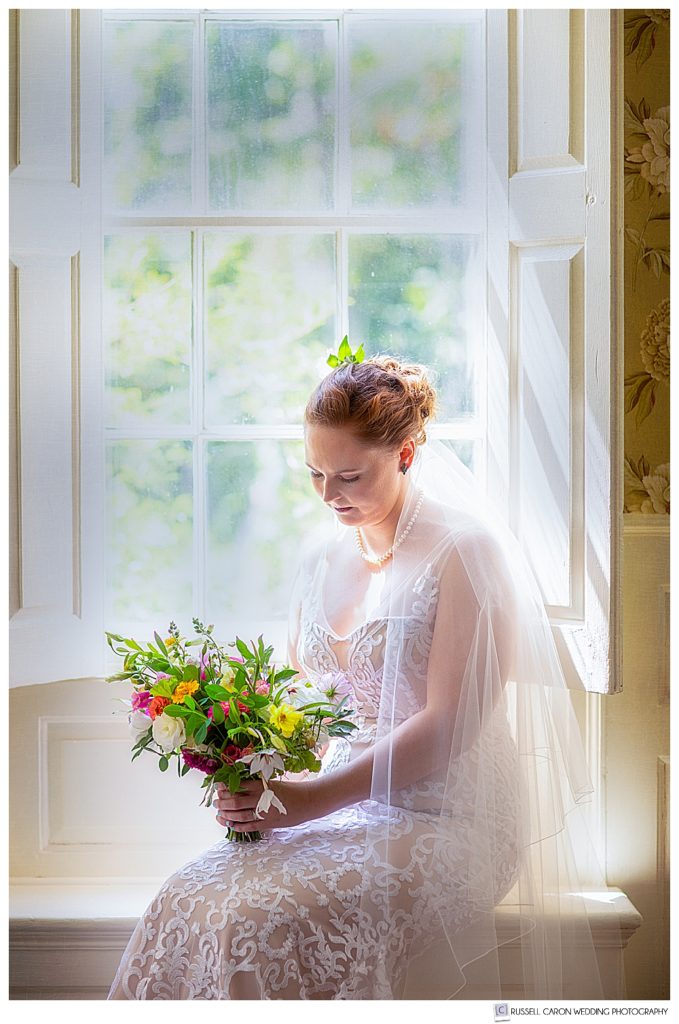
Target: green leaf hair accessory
[{"x": 345, "y": 355}]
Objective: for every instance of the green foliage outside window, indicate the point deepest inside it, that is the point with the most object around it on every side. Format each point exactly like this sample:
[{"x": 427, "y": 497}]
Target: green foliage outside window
[{"x": 210, "y": 331}]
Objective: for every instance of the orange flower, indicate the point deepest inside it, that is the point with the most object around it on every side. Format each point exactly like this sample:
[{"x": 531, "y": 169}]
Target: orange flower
[{"x": 158, "y": 705}]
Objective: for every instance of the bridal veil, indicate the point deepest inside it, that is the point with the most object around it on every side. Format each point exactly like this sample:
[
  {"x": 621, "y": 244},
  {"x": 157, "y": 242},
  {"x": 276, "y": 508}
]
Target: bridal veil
[{"x": 495, "y": 796}]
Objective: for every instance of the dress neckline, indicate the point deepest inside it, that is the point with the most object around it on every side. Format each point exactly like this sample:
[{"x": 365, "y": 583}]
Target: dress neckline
[
  {"x": 317, "y": 585},
  {"x": 327, "y": 628}
]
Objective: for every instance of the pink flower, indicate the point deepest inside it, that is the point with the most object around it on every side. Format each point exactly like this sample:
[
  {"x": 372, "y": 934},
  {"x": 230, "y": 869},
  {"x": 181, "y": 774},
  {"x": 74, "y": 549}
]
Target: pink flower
[
  {"x": 140, "y": 701},
  {"x": 263, "y": 687},
  {"x": 203, "y": 762},
  {"x": 336, "y": 685},
  {"x": 224, "y": 706}
]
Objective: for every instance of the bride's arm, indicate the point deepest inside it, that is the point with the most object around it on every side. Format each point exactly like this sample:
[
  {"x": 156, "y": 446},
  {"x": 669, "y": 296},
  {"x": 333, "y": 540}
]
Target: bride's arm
[
  {"x": 293, "y": 661},
  {"x": 468, "y": 665},
  {"x": 412, "y": 759}
]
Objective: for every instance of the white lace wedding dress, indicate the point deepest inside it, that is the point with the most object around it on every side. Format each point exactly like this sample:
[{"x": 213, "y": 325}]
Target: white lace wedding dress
[{"x": 282, "y": 918}]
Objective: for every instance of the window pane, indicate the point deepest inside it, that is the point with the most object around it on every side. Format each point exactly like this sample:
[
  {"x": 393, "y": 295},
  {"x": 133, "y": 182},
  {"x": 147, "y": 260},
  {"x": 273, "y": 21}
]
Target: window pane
[
  {"x": 270, "y": 312},
  {"x": 148, "y": 109},
  {"x": 408, "y": 111},
  {"x": 149, "y": 574},
  {"x": 420, "y": 297},
  {"x": 147, "y": 328},
  {"x": 468, "y": 451},
  {"x": 260, "y": 505},
  {"x": 271, "y": 115}
]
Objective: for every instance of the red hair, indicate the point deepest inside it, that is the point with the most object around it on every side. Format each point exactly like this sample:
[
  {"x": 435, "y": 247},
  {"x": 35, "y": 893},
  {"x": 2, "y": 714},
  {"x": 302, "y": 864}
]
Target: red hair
[{"x": 382, "y": 400}]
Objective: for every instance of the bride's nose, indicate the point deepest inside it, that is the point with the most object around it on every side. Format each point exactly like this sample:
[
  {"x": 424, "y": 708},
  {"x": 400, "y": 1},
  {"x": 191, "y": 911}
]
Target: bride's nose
[{"x": 329, "y": 491}]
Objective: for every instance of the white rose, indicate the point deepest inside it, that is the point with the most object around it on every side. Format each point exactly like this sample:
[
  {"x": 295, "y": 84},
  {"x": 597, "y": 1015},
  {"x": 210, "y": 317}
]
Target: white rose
[
  {"x": 139, "y": 724},
  {"x": 169, "y": 733}
]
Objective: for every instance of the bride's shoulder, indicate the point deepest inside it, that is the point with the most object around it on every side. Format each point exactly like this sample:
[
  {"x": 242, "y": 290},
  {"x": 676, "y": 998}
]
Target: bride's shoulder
[
  {"x": 462, "y": 540},
  {"x": 445, "y": 523}
]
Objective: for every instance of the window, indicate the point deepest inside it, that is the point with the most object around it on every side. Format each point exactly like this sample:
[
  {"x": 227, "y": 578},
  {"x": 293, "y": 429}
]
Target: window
[{"x": 270, "y": 183}]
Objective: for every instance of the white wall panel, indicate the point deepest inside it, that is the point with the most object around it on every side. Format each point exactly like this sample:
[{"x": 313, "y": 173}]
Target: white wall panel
[
  {"x": 92, "y": 795},
  {"x": 547, "y": 53},
  {"x": 548, "y": 364},
  {"x": 45, "y": 143},
  {"x": 79, "y": 806},
  {"x": 47, "y": 348}
]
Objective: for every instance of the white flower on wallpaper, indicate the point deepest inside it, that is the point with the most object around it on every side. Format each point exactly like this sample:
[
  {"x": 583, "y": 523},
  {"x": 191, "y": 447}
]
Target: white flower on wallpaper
[
  {"x": 640, "y": 388},
  {"x": 647, "y": 175},
  {"x": 655, "y": 342},
  {"x": 652, "y": 149},
  {"x": 648, "y": 487}
]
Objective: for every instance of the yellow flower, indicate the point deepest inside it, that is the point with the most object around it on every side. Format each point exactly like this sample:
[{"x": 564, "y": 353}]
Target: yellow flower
[
  {"x": 184, "y": 690},
  {"x": 285, "y": 718},
  {"x": 170, "y": 641}
]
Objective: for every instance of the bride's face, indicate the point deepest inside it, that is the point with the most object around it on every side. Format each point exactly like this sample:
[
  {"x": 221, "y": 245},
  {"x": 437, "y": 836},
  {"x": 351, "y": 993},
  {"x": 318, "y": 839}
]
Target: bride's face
[{"x": 362, "y": 485}]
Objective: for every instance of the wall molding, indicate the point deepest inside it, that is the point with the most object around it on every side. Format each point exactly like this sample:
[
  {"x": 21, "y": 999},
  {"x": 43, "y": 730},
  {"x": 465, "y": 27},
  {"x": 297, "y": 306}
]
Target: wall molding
[
  {"x": 663, "y": 869},
  {"x": 14, "y": 89},
  {"x": 595, "y": 752},
  {"x": 16, "y": 543},
  {"x": 75, "y": 97},
  {"x": 76, "y": 435},
  {"x": 651, "y": 525}
]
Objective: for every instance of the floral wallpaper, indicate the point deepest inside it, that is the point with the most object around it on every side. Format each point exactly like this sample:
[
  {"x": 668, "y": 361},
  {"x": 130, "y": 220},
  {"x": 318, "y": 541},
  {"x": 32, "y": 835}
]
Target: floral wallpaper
[{"x": 647, "y": 261}]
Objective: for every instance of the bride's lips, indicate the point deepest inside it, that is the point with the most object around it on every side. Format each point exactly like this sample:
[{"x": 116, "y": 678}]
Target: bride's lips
[{"x": 347, "y": 508}]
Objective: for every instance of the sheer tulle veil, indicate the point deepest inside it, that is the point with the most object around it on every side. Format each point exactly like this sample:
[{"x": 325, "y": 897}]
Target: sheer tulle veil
[{"x": 497, "y": 784}]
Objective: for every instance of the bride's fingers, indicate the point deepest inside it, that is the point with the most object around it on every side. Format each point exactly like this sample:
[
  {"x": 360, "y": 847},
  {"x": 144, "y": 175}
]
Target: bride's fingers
[
  {"x": 232, "y": 806},
  {"x": 238, "y": 816},
  {"x": 239, "y": 826}
]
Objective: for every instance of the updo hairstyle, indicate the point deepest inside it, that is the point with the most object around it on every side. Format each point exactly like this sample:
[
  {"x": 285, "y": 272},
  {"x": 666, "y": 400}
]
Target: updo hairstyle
[{"x": 383, "y": 401}]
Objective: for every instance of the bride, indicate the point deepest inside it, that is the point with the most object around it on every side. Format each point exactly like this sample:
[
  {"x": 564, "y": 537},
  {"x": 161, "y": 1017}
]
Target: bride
[{"x": 462, "y": 786}]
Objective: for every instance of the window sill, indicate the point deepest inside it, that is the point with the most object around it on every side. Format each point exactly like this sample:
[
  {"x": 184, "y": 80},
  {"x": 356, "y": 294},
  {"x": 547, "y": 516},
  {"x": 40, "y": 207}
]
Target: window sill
[{"x": 67, "y": 937}]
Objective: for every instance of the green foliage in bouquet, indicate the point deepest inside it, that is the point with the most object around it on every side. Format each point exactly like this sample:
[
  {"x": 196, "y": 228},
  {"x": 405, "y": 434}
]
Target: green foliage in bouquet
[{"x": 233, "y": 716}]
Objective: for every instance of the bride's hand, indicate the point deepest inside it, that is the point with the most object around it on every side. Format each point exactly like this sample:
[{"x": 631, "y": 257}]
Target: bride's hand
[{"x": 237, "y": 810}]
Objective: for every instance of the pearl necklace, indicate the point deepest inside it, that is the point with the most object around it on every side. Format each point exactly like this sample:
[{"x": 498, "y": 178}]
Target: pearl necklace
[{"x": 387, "y": 554}]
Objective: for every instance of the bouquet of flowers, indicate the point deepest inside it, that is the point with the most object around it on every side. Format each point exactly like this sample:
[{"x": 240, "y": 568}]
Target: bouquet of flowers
[{"x": 232, "y": 716}]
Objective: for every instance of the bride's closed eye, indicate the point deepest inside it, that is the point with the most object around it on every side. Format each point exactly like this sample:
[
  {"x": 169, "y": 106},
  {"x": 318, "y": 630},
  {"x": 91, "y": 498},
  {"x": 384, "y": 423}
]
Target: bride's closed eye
[{"x": 344, "y": 479}]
